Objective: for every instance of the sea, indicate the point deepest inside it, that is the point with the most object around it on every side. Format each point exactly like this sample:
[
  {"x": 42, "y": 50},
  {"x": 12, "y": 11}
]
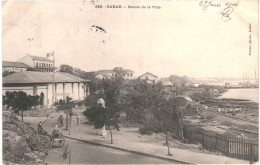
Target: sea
[{"x": 242, "y": 93}]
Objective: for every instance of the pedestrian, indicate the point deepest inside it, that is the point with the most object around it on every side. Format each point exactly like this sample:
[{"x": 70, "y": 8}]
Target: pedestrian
[
  {"x": 78, "y": 119},
  {"x": 40, "y": 127},
  {"x": 56, "y": 132},
  {"x": 66, "y": 153}
]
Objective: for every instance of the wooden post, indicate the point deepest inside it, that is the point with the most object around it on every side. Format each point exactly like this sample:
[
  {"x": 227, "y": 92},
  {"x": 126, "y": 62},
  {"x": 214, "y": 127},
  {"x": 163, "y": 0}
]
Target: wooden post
[
  {"x": 216, "y": 143},
  {"x": 202, "y": 140},
  {"x": 69, "y": 156},
  {"x": 70, "y": 121},
  {"x": 251, "y": 154},
  {"x": 67, "y": 123},
  {"x": 227, "y": 140}
]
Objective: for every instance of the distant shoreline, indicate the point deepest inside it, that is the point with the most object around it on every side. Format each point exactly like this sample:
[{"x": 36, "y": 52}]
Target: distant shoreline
[{"x": 246, "y": 94}]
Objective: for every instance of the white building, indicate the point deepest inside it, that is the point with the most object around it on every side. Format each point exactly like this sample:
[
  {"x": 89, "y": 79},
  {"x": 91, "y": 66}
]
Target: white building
[
  {"x": 14, "y": 66},
  {"x": 41, "y": 64},
  {"x": 41, "y": 84},
  {"x": 149, "y": 77},
  {"x": 126, "y": 73}
]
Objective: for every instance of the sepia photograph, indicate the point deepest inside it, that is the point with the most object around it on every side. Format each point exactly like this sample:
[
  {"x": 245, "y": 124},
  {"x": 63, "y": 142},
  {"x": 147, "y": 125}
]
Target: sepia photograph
[{"x": 130, "y": 82}]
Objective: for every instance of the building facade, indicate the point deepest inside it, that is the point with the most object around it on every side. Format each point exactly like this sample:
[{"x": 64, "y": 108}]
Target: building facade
[
  {"x": 8, "y": 66},
  {"x": 36, "y": 63},
  {"x": 125, "y": 73},
  {"x": 149, "y": 77},
  {"x": 41, "y": 84}
]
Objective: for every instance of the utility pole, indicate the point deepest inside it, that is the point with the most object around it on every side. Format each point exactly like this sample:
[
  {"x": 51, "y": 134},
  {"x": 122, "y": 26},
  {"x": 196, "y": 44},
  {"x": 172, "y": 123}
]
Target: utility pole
[{"x": 53, "y": 85}]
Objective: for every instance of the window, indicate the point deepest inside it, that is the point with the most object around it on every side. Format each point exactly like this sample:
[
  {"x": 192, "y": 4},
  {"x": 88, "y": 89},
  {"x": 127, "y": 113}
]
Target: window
[{"x": 36, "y": 64}]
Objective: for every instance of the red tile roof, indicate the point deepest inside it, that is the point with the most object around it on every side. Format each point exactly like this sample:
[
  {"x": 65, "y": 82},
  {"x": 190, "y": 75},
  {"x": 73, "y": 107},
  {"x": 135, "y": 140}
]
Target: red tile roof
[{"x": 29, "y": 77}]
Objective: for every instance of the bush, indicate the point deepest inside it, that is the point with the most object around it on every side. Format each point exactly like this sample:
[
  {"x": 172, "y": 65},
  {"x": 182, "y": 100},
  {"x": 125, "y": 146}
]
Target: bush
[
  {"x": 210, "y": 116},
  {"x": 150, "y": 127},
  {"x": 95, "y": 115},
  {"x": 91, "y": 100},
  {"x": 227, "y": 123}
]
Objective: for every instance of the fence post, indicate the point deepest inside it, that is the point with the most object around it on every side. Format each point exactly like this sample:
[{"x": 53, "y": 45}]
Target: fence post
[
  {"x": 251, "y": 154},
  {"x": 216, "y": 143},
  {"x": 227, "y": 145},
  {"x": 202, "y": 141}
]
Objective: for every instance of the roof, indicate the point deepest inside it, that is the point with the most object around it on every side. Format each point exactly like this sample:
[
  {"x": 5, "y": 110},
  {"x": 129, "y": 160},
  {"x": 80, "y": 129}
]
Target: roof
[
  {"x": 147, "y": 73},
  {"x": 15, "y": 64},
  {"x": 105, "y": 71},
  {"x": 103, "y": 74},
  {"x": 128, "y": 71},
  {"x": 40, "y": 58},
  {"x": 28, "y": 77},
  {"x": 167, "y": 83},
  {"x": 112, "y": 71}
]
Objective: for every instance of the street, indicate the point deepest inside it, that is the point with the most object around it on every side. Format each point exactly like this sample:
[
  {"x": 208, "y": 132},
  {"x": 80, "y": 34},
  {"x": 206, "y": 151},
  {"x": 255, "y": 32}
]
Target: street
[{"x": 83, "y": 153}]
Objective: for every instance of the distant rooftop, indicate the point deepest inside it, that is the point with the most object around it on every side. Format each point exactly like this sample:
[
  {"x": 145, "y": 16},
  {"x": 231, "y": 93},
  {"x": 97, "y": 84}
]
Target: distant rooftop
[
  {"x": 40, "y": 58},
  {"x": 148, "y": 73},
  {"x": 112, "y": 71},
  {"x": 30, "y": 77},
  {"x": 14, "y": 64}
]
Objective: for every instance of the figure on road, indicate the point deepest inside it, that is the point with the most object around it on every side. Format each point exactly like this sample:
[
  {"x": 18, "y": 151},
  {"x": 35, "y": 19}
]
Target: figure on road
[
  {"x": 56, "y": 132},
  {"x": 40, "y": 127},
  {"x": 61, "y": 120},
  {"x": 78, "y": 119}
]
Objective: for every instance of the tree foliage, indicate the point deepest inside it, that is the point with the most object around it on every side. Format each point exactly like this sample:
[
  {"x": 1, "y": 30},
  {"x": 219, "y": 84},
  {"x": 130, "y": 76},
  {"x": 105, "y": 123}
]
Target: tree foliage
[
  {"x": 20, "y": 101},
  {"x": 108, "y": 116},
  {"x": 163, "y": 113},
  {"x": 100, "y": 116},
  {"x": 66, "y": 68},
  {"x": 65, "y": 105}
]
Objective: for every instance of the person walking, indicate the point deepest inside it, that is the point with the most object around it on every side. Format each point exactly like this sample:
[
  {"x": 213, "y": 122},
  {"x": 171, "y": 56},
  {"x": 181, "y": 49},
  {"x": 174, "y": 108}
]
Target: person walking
[
  {"x": 78, "y": 119},
  {"x": 40, "y": 127}
]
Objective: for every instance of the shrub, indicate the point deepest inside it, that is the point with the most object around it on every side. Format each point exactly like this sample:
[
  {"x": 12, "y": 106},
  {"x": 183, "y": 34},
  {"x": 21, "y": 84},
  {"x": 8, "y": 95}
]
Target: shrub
[
  {"x": 227, "y": 123},
  {"x": 92, "y": 99},
  {"x": 210, "y": 116}
]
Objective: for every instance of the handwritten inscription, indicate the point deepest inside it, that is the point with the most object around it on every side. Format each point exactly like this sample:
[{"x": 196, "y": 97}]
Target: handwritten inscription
[
  {"x": 226, "y": 13},
  {"x": 226, "y": 8},
  {"x": 206, "y": 4}
]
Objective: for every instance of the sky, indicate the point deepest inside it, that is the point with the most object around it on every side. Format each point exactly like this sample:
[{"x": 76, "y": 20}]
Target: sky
[{"x": 180, "y": 38}]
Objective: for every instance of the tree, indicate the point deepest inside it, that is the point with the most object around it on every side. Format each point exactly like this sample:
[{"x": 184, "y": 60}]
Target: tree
[
  {"x": 180, "y": 104},
  {"x": 112, "y": 119},
  {"x": 108, "y": 116},
  {"x": 141, "y": 98},
  {"x": 34, "y": 100},
  {"x": 101, "y": 117},
  {"x": 66, "y": 106},
  {"x": 19, "y": 101},
  {"x": 163, "y": 121},
  {"x": 66, "y": 68},
  {"x": 163, "y": 113}
]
